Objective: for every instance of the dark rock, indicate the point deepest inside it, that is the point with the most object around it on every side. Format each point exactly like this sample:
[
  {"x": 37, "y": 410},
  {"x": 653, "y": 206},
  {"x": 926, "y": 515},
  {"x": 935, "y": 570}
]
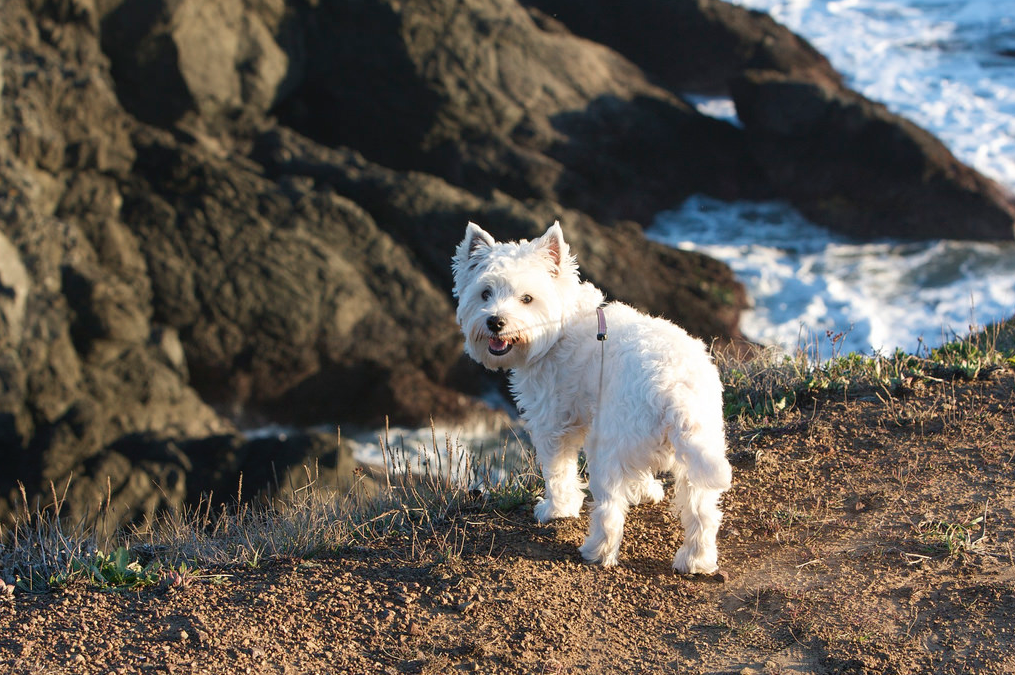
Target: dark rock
[
  {"x": 85, "y": 374},
  {"x": 13, "y": 294},
  {"x": 689, "y": 45},
  {"x": 213, "y": 61},
  {"x": 849, "y": 163},
  {"x": 291, "y": 306},
  {"x": 78, "y": 367},
  {"x": 488, "y": 99},
  {"x": 280, "y": 465}
]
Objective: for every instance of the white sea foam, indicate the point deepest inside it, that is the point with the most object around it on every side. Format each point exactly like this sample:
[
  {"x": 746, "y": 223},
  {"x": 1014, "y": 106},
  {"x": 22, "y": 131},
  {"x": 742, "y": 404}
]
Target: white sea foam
[
  {"x": 806, "y": 281},
  {"x": 720, "y": 107}
]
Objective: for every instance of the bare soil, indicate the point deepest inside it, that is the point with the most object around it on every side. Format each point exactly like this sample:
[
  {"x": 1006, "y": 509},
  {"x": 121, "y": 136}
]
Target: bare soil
[{"x": 864, "y": 534}]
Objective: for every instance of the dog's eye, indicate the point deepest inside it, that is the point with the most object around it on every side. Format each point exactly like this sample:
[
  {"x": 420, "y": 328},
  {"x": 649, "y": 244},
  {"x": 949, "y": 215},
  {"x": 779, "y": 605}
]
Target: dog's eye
[
  {"x": 526, "y": 299},
  {"x": 486, "y": 294}
]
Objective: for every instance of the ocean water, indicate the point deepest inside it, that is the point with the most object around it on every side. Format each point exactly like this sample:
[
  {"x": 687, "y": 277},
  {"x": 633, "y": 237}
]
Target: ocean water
[
  {"x": 948, "y": 65},
  {"x": 806, "y": 284}
]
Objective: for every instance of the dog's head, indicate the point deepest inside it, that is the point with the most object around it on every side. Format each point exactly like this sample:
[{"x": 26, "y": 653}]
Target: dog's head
[{"x": 512, "y": 296}]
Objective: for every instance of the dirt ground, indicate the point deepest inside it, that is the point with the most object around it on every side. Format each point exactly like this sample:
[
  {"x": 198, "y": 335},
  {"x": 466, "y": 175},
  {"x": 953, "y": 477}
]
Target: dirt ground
[{"x": 868, "y": 535}]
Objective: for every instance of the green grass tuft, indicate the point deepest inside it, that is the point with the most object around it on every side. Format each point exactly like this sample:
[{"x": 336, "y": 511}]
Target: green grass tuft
[{"x": 773, "y": 383}]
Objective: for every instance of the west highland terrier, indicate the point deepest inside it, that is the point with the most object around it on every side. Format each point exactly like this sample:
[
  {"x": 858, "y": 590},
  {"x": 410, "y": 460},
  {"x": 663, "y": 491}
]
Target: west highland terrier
[{"x": 637, "y": 393}]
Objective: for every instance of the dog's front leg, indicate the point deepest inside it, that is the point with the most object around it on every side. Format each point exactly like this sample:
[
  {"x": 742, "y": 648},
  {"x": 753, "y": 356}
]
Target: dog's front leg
[{"x": 564, "y": 495}]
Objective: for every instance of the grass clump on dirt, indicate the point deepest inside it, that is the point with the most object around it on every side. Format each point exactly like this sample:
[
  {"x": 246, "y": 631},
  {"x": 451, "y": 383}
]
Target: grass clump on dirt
[{"x": 773, "y": 382}]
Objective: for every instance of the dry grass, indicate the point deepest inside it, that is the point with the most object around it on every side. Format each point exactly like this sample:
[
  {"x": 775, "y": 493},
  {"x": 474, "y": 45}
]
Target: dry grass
[
  {"x": 419, "y": 499},
  {"x": 416, "y": 498}
]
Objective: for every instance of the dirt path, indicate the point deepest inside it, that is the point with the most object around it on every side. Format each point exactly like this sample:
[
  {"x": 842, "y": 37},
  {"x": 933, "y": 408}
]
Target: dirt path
[{"x": 854, "y": 541}]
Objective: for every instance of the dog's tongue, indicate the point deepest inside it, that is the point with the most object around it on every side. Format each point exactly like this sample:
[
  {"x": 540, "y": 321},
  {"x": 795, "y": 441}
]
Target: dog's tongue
[{"x": 498, "y": 345}]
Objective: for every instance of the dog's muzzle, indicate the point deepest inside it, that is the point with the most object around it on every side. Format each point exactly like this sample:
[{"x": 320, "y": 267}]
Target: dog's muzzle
[{"x": 497, "y": 347}]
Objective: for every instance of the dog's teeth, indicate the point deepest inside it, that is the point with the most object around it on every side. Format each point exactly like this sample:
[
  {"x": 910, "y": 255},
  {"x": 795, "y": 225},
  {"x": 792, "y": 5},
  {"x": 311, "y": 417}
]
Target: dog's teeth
[{"x": 499, "y": 347}]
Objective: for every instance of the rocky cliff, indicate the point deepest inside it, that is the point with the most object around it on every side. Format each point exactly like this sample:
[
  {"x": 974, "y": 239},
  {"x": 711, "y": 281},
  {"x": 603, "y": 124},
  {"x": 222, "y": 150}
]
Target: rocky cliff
[{"x": 221, "y": 214}]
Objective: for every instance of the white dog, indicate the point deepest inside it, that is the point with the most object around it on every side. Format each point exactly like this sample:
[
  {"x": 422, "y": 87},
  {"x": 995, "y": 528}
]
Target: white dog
[{"x": 645, "y": 400}]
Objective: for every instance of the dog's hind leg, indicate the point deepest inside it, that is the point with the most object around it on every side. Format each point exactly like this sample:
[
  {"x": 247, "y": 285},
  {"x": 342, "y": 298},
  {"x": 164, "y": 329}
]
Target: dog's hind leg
[
  {"x": 565, "y": 491},
  {"x": 698, "y": 509}
]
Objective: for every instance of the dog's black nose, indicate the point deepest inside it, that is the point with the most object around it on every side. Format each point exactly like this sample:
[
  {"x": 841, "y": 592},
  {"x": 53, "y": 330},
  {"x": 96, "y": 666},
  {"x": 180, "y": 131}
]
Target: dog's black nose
[{"x": 495, "y": 324}]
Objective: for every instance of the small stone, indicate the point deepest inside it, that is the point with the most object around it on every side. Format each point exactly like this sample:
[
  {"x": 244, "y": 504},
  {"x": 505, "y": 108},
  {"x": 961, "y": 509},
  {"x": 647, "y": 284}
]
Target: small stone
[{"x": 183, "y": 636}]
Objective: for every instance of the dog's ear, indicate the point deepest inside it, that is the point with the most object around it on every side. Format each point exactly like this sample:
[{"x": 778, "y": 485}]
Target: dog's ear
[
  {"x": 477, "y": 241},
  {"x": 476, "y": 238},
  {"x": 556, "y": 249}
]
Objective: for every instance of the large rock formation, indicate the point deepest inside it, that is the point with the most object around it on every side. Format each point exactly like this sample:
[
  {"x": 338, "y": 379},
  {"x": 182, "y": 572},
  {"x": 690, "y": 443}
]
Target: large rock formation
[
  {"x": 878, "y": 175},
  {"x": 221, "y": 214},
  {"x": 845, "y": 161}
]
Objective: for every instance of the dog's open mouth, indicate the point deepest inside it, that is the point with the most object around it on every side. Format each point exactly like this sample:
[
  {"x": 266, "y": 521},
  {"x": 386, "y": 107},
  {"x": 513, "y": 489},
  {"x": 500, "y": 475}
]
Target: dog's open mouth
[{"x": 499, "y": 347}]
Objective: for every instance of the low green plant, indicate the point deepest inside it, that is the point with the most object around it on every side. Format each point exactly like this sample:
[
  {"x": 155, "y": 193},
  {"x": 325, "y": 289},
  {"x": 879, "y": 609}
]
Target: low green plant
[
  {"x": 949, "y": 538},
  {"x": 510, "y": 495},
  {"x": 119, "y": 569}
]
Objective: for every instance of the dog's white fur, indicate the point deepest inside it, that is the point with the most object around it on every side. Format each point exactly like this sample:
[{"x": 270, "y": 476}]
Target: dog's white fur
[{"x": 647, "y": 400}]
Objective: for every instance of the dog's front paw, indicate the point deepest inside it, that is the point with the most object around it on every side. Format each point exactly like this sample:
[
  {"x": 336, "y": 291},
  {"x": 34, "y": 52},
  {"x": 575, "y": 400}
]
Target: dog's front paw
[{"x": 548, "y": 509}]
